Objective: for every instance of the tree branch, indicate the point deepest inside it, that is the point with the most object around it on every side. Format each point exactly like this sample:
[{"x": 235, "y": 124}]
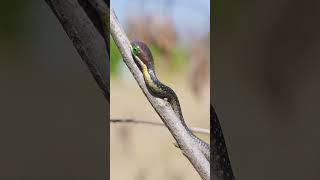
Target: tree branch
[
  {"x": 163, "y": 108},
  {"x": 81, "y": 23},
  {"x": 193, "y": 129},
  {"x": 79, "y": 20}
]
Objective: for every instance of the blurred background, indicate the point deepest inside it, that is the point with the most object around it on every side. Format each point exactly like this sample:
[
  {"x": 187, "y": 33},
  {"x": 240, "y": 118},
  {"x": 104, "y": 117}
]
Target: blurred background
[
  {"x": 178, "y": 33},
  {"x": 266, "y": 86},
  {"x": 265, "y": 90},
  {"x": 52, "y": 113}
]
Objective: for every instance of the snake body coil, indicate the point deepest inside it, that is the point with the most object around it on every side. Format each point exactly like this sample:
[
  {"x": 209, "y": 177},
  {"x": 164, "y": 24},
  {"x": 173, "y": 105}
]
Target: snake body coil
[{"x": 144, "y": 59}]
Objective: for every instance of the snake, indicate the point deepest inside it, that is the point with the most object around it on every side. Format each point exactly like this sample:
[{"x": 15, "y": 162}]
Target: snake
[
  {"x": 221, "y": 166},
  {"x": 143, "y": 57}
]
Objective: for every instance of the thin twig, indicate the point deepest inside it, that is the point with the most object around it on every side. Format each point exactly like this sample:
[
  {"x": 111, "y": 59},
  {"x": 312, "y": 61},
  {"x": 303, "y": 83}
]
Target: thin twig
[
  {"x": 162, "y": 107},
  {"x": 193, "y": 129}
]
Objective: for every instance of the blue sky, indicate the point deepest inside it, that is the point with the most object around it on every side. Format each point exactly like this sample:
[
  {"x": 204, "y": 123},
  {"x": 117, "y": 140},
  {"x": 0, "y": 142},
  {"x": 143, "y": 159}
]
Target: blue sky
[{"x": 189, "y": 16}]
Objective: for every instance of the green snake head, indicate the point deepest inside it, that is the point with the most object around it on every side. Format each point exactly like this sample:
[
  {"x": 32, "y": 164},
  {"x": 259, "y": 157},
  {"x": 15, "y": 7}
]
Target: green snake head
[{"x": 142, "y": 54}]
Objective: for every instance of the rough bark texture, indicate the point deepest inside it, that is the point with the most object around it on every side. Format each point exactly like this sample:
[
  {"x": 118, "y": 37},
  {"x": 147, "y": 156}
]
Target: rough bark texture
[{"x": 81, "y": 22}]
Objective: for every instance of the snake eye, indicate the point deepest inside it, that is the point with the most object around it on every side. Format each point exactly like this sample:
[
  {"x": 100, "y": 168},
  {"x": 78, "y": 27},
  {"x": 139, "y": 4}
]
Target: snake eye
[{"x": 136, "y": 50}]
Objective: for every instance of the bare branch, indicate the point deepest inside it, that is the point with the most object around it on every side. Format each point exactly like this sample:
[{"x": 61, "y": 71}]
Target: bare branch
[
  {"x": 193, "y": 129},
  {"x": 164, "y": 110},
  {"x": 82, "y": 25}
]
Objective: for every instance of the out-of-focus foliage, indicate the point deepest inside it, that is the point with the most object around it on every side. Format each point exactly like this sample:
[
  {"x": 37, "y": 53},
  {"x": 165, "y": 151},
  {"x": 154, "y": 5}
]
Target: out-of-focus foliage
[
  {"x": 159, "y": 32},
  {"x": 179, "y": 57},
  {"x": 115, "y": 57}
]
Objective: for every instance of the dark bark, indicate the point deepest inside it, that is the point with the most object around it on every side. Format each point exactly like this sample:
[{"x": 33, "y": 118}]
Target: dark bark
[{"x": 85, "y": 29}]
